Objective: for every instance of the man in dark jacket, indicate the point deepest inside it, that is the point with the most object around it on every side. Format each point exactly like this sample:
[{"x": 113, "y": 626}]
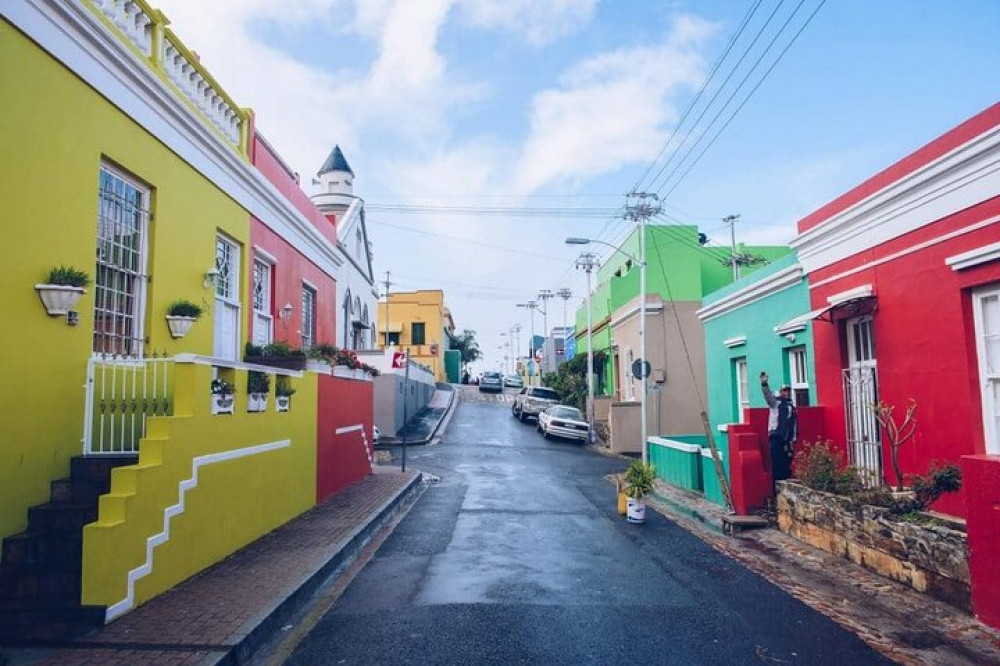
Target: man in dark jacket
[{"x": 782, "y": 428}]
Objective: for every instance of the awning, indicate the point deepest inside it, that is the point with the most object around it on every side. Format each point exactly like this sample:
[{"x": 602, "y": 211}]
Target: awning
[
  {"x": 391, "y": 327},
  {"x": 850, "y": 307},
  {"x": 357, "y": 323}
]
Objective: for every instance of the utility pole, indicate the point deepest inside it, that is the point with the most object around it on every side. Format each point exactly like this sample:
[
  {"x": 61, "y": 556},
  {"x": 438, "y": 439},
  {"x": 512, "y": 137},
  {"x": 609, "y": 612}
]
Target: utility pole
[
  {"x": 565, "y": 294},
  {"x": 544, "y": 295},
  {"x": 531, "y": 306},
  {"x": 640, "y": 206},
  {"x": 588, "y": 261},
  {"x": 731, "y": 221},
  {"x": 515, "y": 331},
  {"x": 387, "y": 285}
]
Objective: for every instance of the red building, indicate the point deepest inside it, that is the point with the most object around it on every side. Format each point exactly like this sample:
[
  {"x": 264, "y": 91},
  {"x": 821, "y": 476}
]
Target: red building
[{"x": 904, "y": 275}]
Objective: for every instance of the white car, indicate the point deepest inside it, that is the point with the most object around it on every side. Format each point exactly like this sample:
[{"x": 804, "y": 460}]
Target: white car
[
  {"x": 376, "y": 435},
  {"x": 563, "y": 421}
]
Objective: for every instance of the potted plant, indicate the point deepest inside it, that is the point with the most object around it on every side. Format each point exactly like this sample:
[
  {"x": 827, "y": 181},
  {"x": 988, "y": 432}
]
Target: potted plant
[
  {"x": 222, "y": 396},
  {"x": 283, "y": 392},
  {"x": 277, "y": 355},
  {"x": 64, "y": 287},
  {"x": 180, "y": 315},
  {"x": 258, "y": 387},
  {"x": 639, "y": 479}
]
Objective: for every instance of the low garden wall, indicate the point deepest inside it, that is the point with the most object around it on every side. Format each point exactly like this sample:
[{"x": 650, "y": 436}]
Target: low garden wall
[{"x": 929, "y": 558}]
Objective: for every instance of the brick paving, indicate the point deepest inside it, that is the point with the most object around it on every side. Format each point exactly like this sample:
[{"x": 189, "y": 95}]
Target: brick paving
[
  {"x": 904, "y": 625},
  {"x": 205, "y": 617}
]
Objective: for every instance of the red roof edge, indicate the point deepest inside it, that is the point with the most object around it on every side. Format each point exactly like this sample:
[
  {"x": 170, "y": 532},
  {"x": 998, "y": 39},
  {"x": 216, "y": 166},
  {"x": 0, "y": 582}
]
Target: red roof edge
[{"x": 966, "y": 131}]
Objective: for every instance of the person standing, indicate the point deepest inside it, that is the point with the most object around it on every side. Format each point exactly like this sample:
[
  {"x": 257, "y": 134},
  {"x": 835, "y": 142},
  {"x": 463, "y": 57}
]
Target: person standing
[{"x": 782, "y": 428}]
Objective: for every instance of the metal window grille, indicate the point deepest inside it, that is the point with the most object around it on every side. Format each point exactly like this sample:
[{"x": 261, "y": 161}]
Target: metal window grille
[
  {"x": 864, "y": 445},
  {"x": 225, "y": 260},
  {"x": 308, "y": 317},
  {"x": 261, "y": 287},
  {"x": 120, "y": 284}
]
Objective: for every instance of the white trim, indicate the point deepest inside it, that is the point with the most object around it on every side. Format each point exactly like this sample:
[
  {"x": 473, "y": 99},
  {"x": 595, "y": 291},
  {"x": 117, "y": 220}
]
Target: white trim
[
  {"x": 309, "y": 284},
  {"x": 347, "y": 429},
  {"x": 772, "y": 284},
  {"x": 707, "y": 453},
  {"x": 991, "y": 438},
  {"x": 651, "y": 308},
  {"x": 235, "y": 365},
  {"x": 364, "y": 438},
  {"x": 909, "y": 250},
  {"x": 77, "y": 38},
  {"x": 724, "y": 427},
  {"x": 863, "y": 291},
  {"x": 264, "y": 255},
  {"x": 177, "y": 509},
  {"x": 738, "y": 341},
  {"x": 980, "y": 255},
  {"x": 963, "y": 177},
  {"x": 683, "y": 447}
]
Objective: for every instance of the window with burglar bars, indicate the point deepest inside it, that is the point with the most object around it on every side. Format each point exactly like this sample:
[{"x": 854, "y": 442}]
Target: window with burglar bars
[
  {"x": 120, "y": 272},
  {"x": 308, "y": 317}
]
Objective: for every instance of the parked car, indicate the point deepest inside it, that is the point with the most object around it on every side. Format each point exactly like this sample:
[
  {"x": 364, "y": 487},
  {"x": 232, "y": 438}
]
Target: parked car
[
  {"x": 563, "y": 421},
  {"x": 513, "y": 381},
  {"x": 531, "y": 400},
  {"x": 491, "y": 381}
]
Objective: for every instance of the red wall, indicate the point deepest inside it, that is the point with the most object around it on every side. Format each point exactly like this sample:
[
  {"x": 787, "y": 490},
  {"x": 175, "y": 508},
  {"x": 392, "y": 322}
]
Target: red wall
[
  {"x": 342, "y": 459},
  {"x": 924, "y": 340},
  {"x": 982, "y": 476}
]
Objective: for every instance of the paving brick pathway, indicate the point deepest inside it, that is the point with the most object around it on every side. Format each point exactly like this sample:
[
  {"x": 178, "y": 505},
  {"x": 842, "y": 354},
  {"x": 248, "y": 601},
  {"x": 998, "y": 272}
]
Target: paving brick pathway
[{"x": 204, "y": 618}]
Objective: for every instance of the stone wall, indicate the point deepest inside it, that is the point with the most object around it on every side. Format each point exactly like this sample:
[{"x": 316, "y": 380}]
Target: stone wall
[{"x": 930, "y": 559}]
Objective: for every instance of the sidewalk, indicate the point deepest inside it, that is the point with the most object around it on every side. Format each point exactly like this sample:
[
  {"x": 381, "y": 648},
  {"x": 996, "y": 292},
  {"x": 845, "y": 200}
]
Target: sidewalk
[
  {"x": 226, "y": 612},
  {"x": 422, "y": 427},
  {"x": 904, "y": 625}
]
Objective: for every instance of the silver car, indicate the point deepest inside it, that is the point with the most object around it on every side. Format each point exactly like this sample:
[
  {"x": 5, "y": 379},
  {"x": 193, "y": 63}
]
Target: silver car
[
  {"x": 491, "y": 381},
  {"x": 532, "y": 400},
  {"x": 563, "y": 421}
]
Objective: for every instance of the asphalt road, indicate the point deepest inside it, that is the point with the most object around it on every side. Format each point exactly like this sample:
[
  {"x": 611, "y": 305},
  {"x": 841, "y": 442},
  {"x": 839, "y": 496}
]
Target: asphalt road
[{"x": 518, "y": 557}]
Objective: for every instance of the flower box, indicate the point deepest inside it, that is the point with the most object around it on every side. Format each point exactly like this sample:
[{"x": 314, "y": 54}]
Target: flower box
[
  {"x": 257, "y": 402},
  {"x": 59, "y": 299},
  {"x": 223, "y": 403},
  {"x": 283, "y": 402},
  {"x": 929, "y": 558},
  {"x": 179, "y": 326},
  {"x": 284, "y": 362}
]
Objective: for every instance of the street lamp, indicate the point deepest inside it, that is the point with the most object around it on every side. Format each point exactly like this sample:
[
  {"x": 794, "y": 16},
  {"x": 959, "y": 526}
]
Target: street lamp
[
  {"x": 531, "y": 306},
  {"x": 588, "y": 262},
  {"x": 642, "y": 319}
]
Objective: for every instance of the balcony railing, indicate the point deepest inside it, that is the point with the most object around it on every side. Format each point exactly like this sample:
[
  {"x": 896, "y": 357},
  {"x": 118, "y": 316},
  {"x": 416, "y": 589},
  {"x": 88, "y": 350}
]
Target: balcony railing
[{"x": 145, "y": 30}]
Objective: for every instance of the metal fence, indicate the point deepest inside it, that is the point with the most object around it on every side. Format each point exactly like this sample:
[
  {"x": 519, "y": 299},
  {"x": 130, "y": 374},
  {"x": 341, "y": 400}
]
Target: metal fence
[
  {"x": 864, "y": 446},
  {"x": 121, "y": 393}
]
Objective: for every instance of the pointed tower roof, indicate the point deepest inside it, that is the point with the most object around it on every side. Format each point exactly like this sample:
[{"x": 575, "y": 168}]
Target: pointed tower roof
[{"x": 335, "y": 162}]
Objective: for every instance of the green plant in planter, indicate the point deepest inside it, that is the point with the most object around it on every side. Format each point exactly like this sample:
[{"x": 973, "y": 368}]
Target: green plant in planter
[
  {"x": 639, "y": 479},
  {"x": 940, "y": 479},
  {"x": 184, "y": 308},
  {"x": 323, "y": 351},
  {"x": 282, "y": 349},
  {"x": 68, "y": 276},
  {"x": 258, "y": 382},
  {"x": 250, "y": 349},
  {"x": 222, "y": 387},
  {"x": 283, "y": 388}
]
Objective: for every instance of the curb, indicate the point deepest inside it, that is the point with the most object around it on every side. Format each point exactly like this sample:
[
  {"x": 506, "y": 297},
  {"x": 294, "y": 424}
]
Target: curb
[
  {"x": 259, "y": 630},
  {"x": 390, "y": 443}
]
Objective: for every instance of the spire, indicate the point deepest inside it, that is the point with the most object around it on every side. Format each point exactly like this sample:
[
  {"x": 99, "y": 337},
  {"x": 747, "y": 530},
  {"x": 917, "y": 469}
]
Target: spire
[{"x": 335, "y": 162}]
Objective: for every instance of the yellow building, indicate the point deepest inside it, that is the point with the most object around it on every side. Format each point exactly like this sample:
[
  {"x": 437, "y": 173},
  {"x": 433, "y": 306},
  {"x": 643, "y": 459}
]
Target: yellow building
[{"x": 417, "y": 321}]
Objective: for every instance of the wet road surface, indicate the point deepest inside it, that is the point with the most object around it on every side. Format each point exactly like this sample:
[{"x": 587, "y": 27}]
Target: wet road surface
[{"x": 518, "y": 556}]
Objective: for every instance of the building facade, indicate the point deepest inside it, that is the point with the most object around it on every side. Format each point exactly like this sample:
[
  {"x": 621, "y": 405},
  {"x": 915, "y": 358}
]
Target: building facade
[{"x": 419, "y": 323}]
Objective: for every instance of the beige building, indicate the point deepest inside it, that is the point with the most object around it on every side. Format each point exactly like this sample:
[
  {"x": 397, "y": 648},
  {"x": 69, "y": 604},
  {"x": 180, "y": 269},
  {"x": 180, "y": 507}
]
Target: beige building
[{"x": 420, "y": 322}]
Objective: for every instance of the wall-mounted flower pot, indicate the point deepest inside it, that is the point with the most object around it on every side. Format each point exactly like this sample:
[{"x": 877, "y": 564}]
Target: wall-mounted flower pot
[
  {"x": 179, "y": 326},
  {"x": 59, "y": 299},
  {"x": 223, "y": 403},
  {"x": 257, "y": 402},
  {"x": 283, "y": 402}
]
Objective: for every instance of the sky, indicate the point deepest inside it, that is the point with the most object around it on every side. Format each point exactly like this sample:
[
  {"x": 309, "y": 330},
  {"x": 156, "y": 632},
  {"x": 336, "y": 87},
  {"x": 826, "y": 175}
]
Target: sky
[{"x": 566, "y": 104}]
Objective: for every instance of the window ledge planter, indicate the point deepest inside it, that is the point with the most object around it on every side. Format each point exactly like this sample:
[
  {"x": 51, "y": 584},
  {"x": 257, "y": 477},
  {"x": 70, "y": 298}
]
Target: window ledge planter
[
  {"x": 283, "y": 362},
  {"x": 283, "y": 402},
  {"x": 179, "y": 326},
  {"x": 257, "y": 402},
  {"x": 223, "y": 403},
  {"x": 929, "y": 558},
  {"x": 59, "y": 299}
]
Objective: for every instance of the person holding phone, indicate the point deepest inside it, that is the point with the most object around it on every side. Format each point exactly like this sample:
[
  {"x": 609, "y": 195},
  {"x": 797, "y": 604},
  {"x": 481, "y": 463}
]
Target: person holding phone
[{"x": 782, "y": 428}]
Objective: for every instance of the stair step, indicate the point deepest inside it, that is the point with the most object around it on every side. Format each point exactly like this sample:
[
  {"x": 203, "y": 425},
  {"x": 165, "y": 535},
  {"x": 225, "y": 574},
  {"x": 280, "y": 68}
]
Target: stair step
[
  {"x": 77, "y": 491},
  {"x": 98, "y": 468},
  {"x": 60, "y": 518},
  {"x": 40, "y": 586},
  {"x": 59, "y": 552},
  {"x": 33, "y": 622}
]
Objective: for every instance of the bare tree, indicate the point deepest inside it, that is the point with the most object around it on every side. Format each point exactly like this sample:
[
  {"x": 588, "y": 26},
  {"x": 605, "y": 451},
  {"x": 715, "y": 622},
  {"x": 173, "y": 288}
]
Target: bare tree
[{"x": 896, "y": 434}]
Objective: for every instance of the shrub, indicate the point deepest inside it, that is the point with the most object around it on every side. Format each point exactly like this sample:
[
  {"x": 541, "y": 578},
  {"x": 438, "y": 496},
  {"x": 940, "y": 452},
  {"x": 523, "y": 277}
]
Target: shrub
[
  {"x": 283, "y": 387},
  {"x": 323, "y": 351},
  {"x": 639, "y": 478},
  {"x": 222, "y": 387},
  {"x": 68, "y": 276},
  {"x": 258, "y": 382},
  {"x": 184, "y": 309},
  {"x": 821, "y": 467},
  {"x": 940, "y": 479},
  {"x": 281, "y": 349}
]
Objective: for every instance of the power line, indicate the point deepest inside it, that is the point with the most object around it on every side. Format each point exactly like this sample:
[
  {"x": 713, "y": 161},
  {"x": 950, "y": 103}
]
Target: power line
[
  {"x": 479, "y": 211},
  {"x": 468, "y": 241}
]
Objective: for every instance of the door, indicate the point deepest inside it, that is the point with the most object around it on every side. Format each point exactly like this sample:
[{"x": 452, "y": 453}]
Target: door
[
  {"x": 860, "y": 381},
  {"x": 987, "y": 318},
  {"x": 263, "y": 320},
  {"x": 227, "y": 302}
]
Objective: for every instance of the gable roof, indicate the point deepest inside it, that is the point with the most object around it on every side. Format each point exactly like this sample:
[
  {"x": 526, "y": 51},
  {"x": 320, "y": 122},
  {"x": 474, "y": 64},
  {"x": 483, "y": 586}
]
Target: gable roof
[
  {"x": 335, "y": 162},
  {"x": 352, "y": 220}
]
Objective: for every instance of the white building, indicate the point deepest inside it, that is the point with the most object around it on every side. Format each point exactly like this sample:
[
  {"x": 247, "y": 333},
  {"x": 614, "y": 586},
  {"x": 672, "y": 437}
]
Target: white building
[{"x": 358, "y": 295}]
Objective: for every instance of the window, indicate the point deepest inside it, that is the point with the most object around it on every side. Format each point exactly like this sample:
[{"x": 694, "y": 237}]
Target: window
[
  {"x": 261, "y": 297},
  {"x": 347, "y": 319},
  {"x": 393, "y": 339},
  {"x": 120, "y": 284},
  {"x": 417, "y": 336},
  {"x": 742, "y": 387},
  {"x": 799, "y": 377},
  {"x": 226, "y": 331},
  {"x": 308, "y": 317}
]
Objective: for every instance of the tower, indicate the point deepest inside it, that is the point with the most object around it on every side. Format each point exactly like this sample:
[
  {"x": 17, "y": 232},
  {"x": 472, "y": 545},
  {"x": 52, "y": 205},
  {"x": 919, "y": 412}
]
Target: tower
[{"x": 336, "y": 182}]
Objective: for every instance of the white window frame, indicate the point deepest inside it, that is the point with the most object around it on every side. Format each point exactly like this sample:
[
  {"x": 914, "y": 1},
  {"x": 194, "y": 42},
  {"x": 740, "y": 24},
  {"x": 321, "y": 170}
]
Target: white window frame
[
  {"x": 133, "y": 345},
  {"x": 310, "y": 297},
  {"x": 232, "y": 282},
  {"x": 798, "y": 371},
  {"x": 259, "y": 259},
  {"x": 989, "y": 381},
  {"x": 742, "y": 378}
]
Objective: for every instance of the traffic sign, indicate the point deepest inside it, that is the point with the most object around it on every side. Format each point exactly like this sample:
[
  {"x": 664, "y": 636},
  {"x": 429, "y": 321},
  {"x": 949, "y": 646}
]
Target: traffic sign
[
  {"x": 398, "y": 360},
  {"x": 640, "y": 368}
]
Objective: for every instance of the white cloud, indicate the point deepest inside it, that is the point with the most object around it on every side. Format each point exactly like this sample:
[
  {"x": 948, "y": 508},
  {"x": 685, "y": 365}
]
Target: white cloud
[
  {"x": 611, "y": 109},
  {"x": 538, "y": 22}
]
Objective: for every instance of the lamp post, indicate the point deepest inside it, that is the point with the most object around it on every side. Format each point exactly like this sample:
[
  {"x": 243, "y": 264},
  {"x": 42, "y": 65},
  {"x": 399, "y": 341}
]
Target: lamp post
[
  {"x": 544, "y": 295},
  {"x": 515, "y": 330},
  {"x": 588, "y": 262},
  {"x": 531, "y": 306},
  {"x": 642, "y": 317}
]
